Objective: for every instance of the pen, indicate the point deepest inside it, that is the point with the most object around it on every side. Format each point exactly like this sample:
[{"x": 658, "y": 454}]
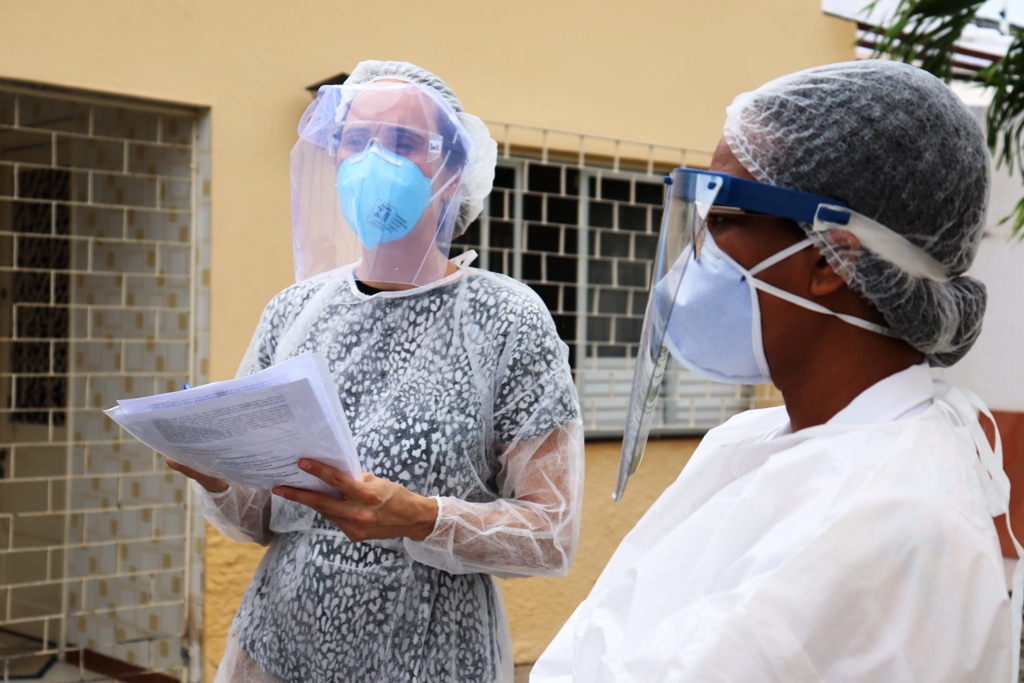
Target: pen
[{"x": 187, "y": 385}]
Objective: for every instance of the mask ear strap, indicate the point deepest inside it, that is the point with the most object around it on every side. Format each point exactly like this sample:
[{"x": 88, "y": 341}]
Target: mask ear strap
[
  {"x": 446, "y": 183},
  {"x": 781, "y": 256},
  {"x": 818, "y": 308}
]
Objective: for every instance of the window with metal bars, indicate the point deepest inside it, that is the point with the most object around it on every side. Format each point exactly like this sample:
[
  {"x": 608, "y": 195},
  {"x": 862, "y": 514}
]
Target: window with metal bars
[
  {"x": 584, "y": 238},
  {"x": 103, "y": 271}
]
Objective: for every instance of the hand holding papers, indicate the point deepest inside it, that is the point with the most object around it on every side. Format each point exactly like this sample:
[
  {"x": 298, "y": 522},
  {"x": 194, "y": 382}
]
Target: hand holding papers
[{"x": 251, "y": 430}]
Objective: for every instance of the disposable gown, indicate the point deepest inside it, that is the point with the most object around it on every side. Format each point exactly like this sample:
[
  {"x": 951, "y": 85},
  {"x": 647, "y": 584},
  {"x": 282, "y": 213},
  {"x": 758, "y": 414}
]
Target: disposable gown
[
  {"x": 459, "y": 390},
  {"x": 861, "y": 550}
]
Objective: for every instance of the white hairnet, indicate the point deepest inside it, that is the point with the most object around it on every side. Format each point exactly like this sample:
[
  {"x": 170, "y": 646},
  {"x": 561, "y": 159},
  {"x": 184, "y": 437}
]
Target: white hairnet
[
  {"x": 479, "y": 172},
  {"x": 896, "y": 144}
]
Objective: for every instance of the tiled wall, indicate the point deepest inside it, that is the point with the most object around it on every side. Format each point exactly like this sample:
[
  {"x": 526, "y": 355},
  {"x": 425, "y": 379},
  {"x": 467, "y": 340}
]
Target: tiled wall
[{"x": 99, "y": 545}]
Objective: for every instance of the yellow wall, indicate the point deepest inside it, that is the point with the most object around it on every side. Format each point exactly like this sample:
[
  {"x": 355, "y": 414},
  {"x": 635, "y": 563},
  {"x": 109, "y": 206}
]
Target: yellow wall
[{"x": 660, "y": 71}]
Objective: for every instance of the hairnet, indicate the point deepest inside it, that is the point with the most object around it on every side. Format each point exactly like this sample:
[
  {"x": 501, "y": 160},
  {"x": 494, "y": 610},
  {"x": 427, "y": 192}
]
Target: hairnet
[
  {"x": 896, "y": 144},
  {"x": 479, "y": 172}
]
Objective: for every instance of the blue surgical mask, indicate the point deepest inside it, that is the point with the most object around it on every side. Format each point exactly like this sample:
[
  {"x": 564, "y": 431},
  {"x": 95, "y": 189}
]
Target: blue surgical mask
[
  {"x": 715, "y": 326},
  {"x": 384, "y": 195}
]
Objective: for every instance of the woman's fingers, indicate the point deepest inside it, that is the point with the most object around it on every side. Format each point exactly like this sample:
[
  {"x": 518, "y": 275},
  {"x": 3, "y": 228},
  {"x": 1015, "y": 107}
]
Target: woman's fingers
[
  {"x": 211, "y": 484},
  {"x": 347, "y": 486},
  {"x": 371, "y": 508}
]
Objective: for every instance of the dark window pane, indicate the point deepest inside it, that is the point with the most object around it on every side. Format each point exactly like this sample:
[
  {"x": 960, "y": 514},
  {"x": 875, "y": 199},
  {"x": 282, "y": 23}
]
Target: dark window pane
[
  {"x": 62, "y": 219},
  {"x": 592, "y": 243},
  {"x": 645, "y": 246},
  {"x": 614, "y": 244},
  {"x": 650, "y": 193},
  {"x": 599, "y": 329},
  {"x": 571, "y": 241},
  {"x": 30, "y": 358},
  {"x": 497, "y": 205},
  {"x": 502, "y": 234},
  {"x": 472, "y": 235},
  {"x": 632, "y": 274},
  {"x": 633, "y": 218},
  {"x": 548, "y": 294},
  {"x": 545, "y": 179},
  {"x": 31, "y": 287},
  {"x": 6, "y": 181},
  {"x": 563, "y": 210},
  {"x": 505, "y": 177},
  {"x": 599, "y": 272},
  {"x": 613, "y": 301},
  {"x": 600, "y": 215},
  {"x": 31, "y": 218},
  {"x": 60, "y": 357},
  {"x": 611, "y": 352},
  {"x": 62, "y": 287},
  {"x": 615, "y": 189},
  {"x": 639, "y": 303},
  {"x": 569, "y": 299},
  {"x": 42, "y": 322},
  {"x": 592, "y": 186},
  {"x": 44, "y": 252},
  {"x": 44, "y": 183},
  {"x": 531, "y": 267},
  {"x": 572, "y": 182},
  {"x": 41, "y": 392},
  {"x": 566, "y": 326},
  {"x": 627, "y": 330},
  {"x": 572, "y": 357},
  {"x": 591, "y": 297},
  {"x": 496, "y": 262},
  {"x": 656, "y": 220},
  {"x": 531, "y": 207},
  {"x": 561, "y": 269},
  {"x": 540, "y": 238}
]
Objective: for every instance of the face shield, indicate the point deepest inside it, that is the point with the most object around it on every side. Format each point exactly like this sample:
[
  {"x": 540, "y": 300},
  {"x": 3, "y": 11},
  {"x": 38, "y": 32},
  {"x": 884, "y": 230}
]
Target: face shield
[
  {"x": 692, "y": 196},
  {"x": 376, "y": 183}
]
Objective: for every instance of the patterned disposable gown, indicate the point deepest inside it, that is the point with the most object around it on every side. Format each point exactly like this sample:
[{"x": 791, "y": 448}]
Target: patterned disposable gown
[
  {"x": 460, "y": 390},
  {"x": 457, "y": 388}
]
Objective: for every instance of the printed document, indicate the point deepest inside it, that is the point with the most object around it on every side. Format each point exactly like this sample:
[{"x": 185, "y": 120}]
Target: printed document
[{"x": 251, "y": 430}]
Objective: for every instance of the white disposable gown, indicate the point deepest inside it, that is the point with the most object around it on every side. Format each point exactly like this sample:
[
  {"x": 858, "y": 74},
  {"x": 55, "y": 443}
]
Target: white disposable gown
[
  {"x": 459, "y": 390},
  {"x": 861, "y": 550}
]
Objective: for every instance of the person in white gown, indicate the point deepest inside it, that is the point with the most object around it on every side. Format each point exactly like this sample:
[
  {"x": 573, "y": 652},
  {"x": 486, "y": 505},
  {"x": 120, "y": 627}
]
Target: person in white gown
[{"x": 849, "y": 535}]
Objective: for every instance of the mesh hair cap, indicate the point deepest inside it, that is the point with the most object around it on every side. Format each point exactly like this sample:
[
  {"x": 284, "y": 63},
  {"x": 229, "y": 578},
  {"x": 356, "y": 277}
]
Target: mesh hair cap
[
  {"x": 896, "y": 144},
  {"x": 479, "y": 172}
]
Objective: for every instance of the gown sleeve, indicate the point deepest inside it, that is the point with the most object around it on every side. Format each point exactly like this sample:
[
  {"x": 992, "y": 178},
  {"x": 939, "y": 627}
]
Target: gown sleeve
[
  {"x": 243, "y": 513},
  {"x": 532, "y": 528}
]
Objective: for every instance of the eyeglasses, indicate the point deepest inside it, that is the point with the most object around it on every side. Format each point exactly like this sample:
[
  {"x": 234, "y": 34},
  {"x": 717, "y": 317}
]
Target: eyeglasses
[{"x": 414, "y": 144}]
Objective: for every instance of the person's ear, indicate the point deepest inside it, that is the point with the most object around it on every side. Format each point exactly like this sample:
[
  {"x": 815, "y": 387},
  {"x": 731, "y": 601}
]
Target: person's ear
[{"x": 824, "y": 279}]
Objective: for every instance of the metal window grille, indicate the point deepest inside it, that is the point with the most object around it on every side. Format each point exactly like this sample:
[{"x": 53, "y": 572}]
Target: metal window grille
[
  {"x": 579, "y": 224},
  {"x": 103, "y": 275}
]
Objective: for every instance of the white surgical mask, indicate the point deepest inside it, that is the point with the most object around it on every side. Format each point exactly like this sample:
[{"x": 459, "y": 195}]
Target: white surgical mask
[{"x": 715, "y": 326}]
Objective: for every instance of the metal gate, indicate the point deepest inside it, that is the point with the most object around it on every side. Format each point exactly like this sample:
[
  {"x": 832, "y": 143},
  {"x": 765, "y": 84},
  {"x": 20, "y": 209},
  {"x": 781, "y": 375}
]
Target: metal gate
[{"x": 103, "y": 273}]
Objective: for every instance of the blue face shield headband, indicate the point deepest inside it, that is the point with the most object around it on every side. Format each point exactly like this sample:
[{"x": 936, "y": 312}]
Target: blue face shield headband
[{"x": 703, "y": 306}]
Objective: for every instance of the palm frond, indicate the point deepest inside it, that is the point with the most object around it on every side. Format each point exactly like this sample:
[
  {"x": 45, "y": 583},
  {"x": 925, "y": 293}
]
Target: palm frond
[
  {"x": 925, "y": 33},
  {"x": 1005, "y": 117}
]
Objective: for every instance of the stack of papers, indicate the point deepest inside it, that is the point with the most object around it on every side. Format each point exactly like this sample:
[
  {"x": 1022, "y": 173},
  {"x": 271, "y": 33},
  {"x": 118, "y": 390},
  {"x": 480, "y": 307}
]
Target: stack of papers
[{"x": 251, "y": 430}]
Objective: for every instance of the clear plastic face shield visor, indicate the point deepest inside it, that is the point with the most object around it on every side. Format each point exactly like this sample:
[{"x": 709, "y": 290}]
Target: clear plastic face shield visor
[
  {"x": 691, "y": 196},
  {"x": 376, "y": 181}
]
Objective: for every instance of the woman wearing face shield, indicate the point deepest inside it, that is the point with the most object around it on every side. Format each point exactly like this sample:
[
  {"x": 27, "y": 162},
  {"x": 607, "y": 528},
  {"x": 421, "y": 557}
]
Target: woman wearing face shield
[
  {"x": 457, "y": 390},
  {"x": 852, "y": 534}
]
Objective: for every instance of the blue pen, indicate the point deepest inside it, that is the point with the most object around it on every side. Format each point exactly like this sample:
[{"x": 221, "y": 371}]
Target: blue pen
[{"x": 187, "y": 385}]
